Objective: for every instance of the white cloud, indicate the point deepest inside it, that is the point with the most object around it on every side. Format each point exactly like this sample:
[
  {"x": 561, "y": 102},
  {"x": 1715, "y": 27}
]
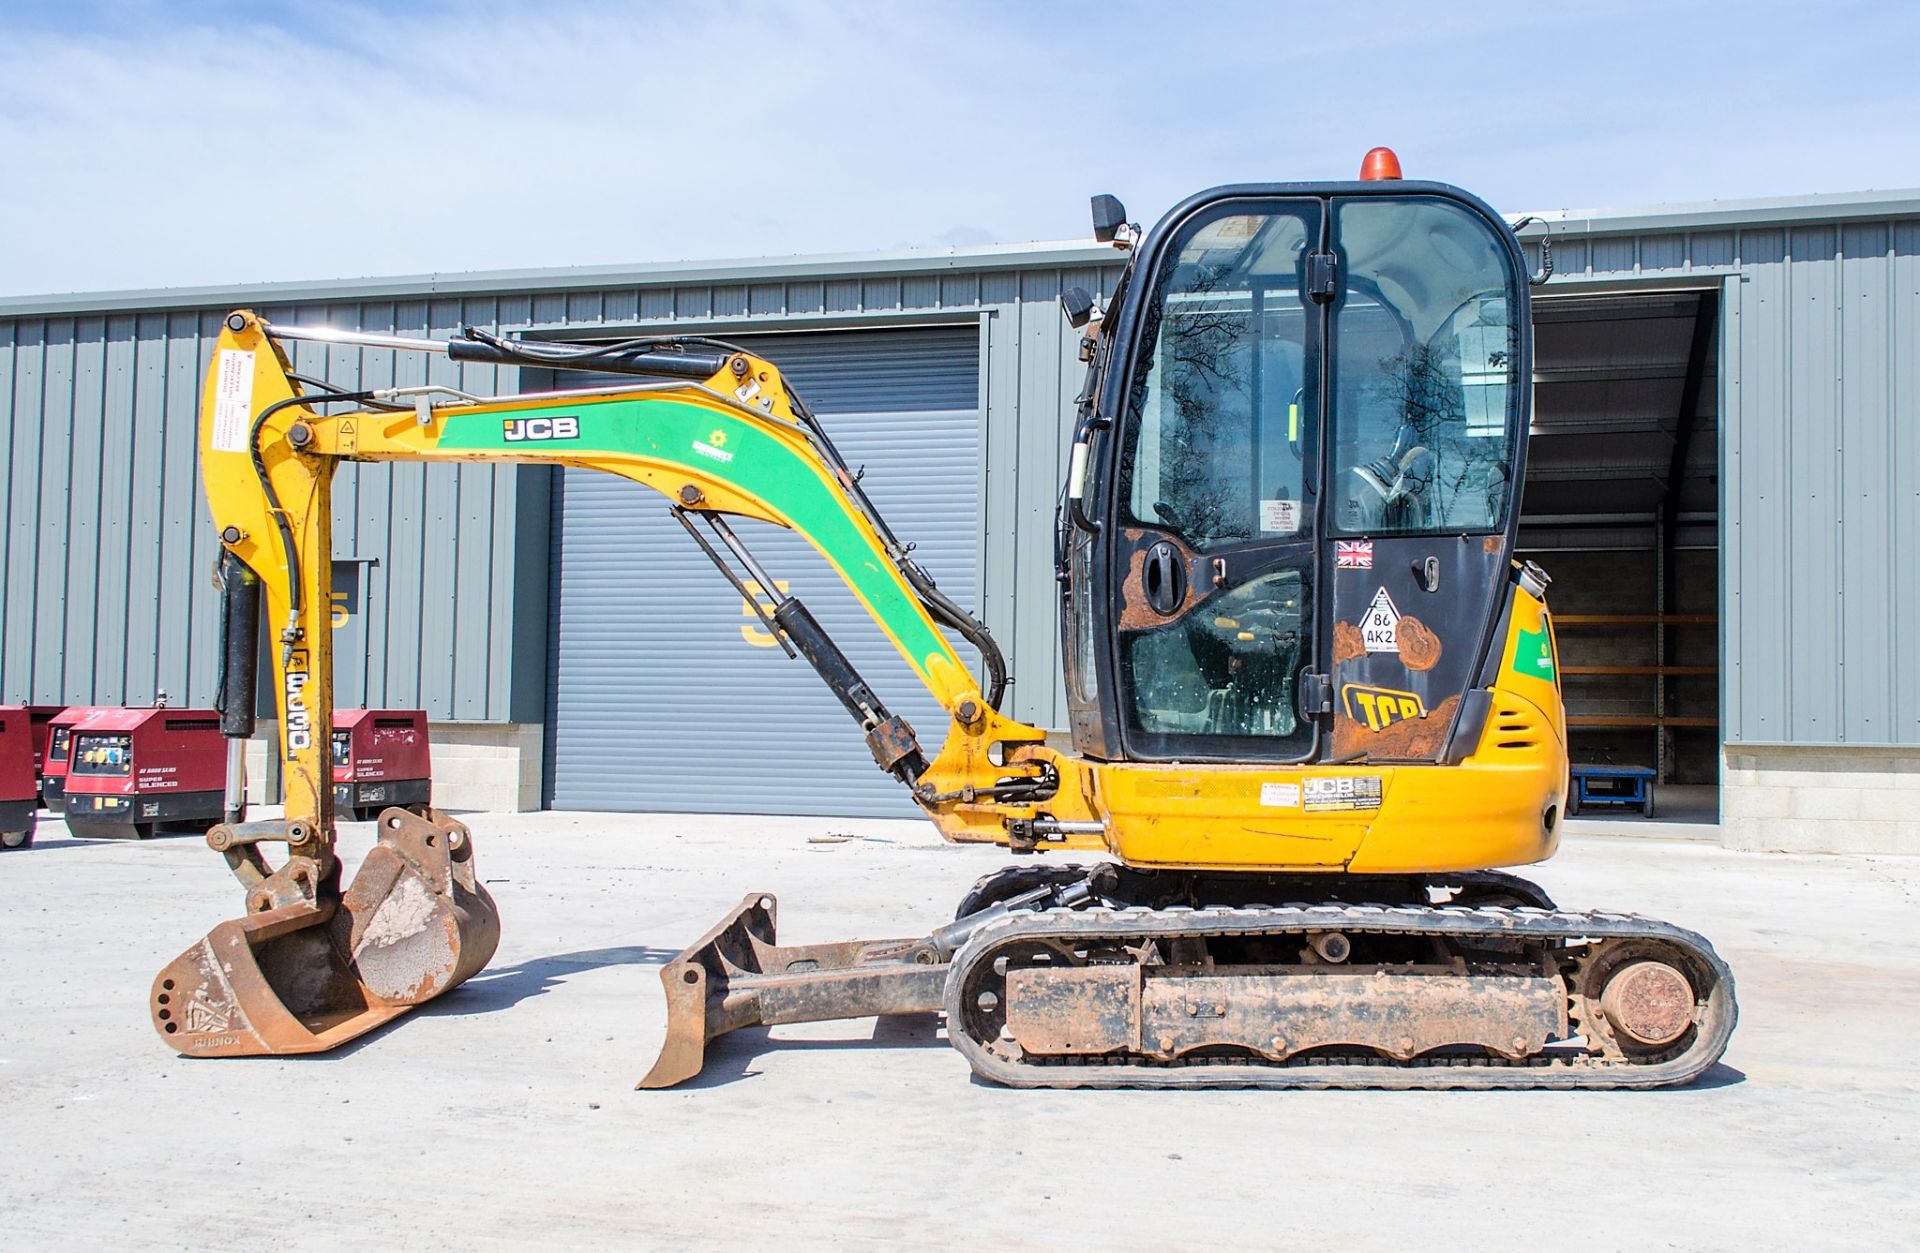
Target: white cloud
[{"x": 145, "y": 146}]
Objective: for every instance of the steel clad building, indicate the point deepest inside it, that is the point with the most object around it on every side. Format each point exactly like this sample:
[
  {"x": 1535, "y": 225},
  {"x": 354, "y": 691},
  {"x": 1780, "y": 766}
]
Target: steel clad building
[{"x": 1724, "y": 483}]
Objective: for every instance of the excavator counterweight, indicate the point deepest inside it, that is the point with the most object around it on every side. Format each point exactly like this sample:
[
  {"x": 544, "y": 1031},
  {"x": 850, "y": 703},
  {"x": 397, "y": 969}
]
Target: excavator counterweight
[{"x": 1314, "y": 698}]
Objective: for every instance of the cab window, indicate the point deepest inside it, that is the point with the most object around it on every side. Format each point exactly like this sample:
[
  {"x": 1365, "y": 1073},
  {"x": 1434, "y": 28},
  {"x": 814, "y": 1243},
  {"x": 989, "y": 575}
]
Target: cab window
[
  {"x": 1224, "y": 393},
  {"x": 1423, "y": 354}
]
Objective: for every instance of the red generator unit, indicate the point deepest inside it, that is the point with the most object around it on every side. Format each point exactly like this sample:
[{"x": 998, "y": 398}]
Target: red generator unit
[
  {"x": 53, "y": 769},
  {"x": 40, "y": 719},
  {"x": 132, "y": 773},
  {"x": 380, "y": 758},
  {"x": 19, "y": 802}
]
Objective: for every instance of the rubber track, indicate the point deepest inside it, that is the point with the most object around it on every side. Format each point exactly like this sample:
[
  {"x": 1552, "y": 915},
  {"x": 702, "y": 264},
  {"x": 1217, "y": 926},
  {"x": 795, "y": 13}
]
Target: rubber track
[{"x": 1549, "y": 926}]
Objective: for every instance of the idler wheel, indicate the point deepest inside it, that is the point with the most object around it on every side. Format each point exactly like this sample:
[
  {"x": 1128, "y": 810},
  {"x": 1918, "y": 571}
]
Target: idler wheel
[{"x": 1648, "y": 1002}]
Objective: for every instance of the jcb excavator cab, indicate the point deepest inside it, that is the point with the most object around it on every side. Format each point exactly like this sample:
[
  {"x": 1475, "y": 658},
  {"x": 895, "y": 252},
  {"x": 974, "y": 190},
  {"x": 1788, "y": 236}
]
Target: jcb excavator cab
[{"x": 1292, "y": 537}]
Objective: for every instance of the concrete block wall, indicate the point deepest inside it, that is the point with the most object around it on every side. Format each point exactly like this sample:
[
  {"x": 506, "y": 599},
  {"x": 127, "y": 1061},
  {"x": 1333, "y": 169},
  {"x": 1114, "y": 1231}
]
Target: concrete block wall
[
  {"x": 492, "y": 766},
  {"x": 1783, "y": 798}
]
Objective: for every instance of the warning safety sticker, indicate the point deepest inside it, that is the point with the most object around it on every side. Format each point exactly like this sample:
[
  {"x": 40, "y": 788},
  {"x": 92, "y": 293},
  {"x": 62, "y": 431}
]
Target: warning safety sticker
[
  {"x": 232, "y": 400},
  {"x": 1380, "y": 625},
  {"x": 1280, "y": 517},
  {"x": 1283, "y": 795}
]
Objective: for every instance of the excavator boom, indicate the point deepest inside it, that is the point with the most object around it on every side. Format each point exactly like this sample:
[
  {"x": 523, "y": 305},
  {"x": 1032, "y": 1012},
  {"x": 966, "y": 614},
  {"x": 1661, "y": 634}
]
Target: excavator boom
[{"x": 715, "y": 432}]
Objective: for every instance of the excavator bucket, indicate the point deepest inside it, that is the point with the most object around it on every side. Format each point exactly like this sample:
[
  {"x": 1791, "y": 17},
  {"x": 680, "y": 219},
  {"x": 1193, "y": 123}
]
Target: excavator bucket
[
  {"x": 736, "y": 976},
  {"x": 305, "y": 978}
]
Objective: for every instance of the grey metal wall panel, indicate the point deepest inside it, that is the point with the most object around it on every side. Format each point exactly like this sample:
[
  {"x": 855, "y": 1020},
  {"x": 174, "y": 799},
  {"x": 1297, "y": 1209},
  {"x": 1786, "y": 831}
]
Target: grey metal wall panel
[
  {"x": 22, "y": 376},
  {"x": 660, "y": 702},
  {"x": 83, "y": 509},
  {"x": 56, "y": 408},
  {"x": 1613, "y": 254},
  {"x": 1733, "y": 546},
  {"x": 1820, "y": 476},
  {"x": 1663, "y": 252},
  {"x": 112, "y": 637},
  {"x": 1711, "y": 249},
  {"x": 1865, "y": 513},
  {"x": 1755, "y": 536},
  {"x": 1903, "y": 338},
  {"x": 1811, "y": 447}
]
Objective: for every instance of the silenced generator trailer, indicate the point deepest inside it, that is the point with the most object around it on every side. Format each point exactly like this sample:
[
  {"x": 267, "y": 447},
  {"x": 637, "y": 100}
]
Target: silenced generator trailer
[
  {"x": 17, "y": 801},
  {"x": 380, "y": 758},
  {"x": 132, "y": 773},
  {"x": 40, "y": 722},
  {"x": 53, "y": 769}
]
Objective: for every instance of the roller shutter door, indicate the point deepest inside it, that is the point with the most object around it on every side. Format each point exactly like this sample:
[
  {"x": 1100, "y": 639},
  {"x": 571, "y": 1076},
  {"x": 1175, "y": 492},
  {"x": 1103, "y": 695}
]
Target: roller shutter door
[{"x": 667, "y": 695}]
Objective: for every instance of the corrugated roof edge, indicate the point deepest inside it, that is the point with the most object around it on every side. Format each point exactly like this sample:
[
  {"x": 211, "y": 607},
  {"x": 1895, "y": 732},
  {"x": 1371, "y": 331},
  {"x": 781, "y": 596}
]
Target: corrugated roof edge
[
  {"x": 1783, "y": 210},
  {"x": 1835, "y": 207},
  {"x": 570, "y": 278}
]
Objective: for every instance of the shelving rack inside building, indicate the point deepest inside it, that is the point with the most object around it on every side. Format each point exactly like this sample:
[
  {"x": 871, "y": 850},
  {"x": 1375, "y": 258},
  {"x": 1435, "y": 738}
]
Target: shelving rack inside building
[{"x": 1622, "y": 505}]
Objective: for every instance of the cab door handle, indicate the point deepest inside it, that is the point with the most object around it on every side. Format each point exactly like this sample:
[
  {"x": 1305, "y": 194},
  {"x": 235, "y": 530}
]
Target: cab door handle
[
  {"x": 1427, "y": 572},
  {"x": 1165, "y": 577}
]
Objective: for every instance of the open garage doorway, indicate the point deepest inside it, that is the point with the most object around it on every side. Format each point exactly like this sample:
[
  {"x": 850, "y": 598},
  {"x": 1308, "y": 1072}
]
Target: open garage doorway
[{"x": 1621, "y": 507}]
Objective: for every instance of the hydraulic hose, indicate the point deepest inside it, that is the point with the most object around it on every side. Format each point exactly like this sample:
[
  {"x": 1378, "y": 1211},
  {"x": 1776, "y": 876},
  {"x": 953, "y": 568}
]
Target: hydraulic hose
[
  {"x": 287, "y": 544},
  {"x": 942, "y": 607}
]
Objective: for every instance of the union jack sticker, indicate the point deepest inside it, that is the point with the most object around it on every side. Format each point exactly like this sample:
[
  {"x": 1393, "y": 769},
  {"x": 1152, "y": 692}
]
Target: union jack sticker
[{"x": 1353, "y": 554}]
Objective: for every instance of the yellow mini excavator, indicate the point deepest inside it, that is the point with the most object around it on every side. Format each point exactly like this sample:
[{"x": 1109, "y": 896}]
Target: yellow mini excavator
[{"x": 1315, "y": 699}]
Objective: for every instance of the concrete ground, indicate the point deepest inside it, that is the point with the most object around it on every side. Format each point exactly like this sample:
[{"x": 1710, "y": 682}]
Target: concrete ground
[{"x": 504, "y": 1114}]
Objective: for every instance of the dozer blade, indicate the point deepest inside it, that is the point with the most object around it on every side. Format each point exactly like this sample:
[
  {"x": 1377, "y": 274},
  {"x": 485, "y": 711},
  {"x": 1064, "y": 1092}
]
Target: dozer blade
[
  {"x": 736, "y": 976},
  {"x": 305, "y": 978}
]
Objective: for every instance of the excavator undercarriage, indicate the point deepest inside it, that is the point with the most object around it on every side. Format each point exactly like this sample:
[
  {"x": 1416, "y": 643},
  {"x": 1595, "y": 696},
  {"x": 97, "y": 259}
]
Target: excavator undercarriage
[
  {"x": 1102, "y": 977},
  {"x": 1313, "y": 698}
]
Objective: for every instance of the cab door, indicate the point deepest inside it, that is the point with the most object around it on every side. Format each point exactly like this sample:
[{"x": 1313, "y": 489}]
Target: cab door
[
  {"x": 1212, "y": 553},
  {"x": 1426, "y": 417}
]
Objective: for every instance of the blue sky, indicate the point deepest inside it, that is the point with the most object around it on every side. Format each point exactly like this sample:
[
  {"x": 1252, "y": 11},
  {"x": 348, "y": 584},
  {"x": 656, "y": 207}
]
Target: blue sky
[{"x": 147, "y": 145}]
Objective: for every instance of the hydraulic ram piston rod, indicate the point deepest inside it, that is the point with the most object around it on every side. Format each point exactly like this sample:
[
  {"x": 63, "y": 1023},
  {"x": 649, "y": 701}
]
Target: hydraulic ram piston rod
[{"x": 642, "y": 361}]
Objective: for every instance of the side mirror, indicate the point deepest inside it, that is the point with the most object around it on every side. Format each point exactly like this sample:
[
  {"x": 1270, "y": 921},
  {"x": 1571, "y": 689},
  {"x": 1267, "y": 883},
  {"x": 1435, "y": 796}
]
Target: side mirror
[
  {"x": 1109, "y": 215},
  {"x": 1077, "y": 305}
]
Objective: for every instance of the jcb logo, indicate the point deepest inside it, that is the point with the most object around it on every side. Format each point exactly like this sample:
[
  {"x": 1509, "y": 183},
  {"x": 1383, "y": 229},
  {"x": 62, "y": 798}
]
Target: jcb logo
[
  {"x": 299, "y": 731},
  {"x": 520, "y": 430},
  {"x": 1380, "y": 707}
]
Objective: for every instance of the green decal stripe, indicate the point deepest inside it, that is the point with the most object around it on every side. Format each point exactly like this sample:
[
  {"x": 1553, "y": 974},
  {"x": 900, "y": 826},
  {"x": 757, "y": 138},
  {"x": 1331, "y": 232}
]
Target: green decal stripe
[
  {"x": 1533, "y": 654},
  {"x": 760, "y": 466}
]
